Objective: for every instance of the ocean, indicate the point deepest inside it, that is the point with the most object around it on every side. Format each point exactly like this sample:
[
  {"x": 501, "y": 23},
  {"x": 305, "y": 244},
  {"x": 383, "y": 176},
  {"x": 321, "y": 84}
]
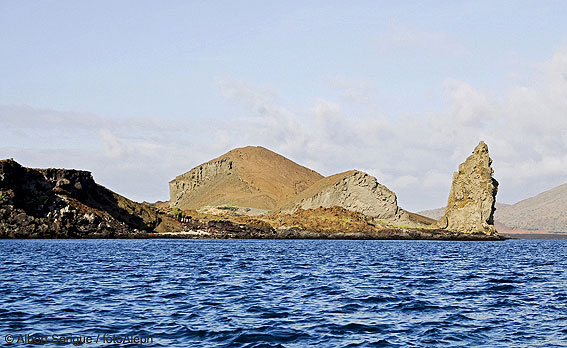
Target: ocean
[{"x": 283, "y": 293}]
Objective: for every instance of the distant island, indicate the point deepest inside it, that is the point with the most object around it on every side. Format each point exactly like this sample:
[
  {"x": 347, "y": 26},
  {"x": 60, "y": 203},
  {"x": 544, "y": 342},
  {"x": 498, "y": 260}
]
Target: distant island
[{"x": 249, "y": 192}]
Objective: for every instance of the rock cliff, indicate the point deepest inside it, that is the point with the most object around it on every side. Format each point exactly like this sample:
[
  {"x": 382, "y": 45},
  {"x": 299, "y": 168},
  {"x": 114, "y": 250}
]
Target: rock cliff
[
  {"x": 471, "y": 203},
  {"x": 546, "y": 211},
  {"x": 355, "y": 191},
  {"x": 252, "y": 177},
  {"x": 62, "y": 203}
]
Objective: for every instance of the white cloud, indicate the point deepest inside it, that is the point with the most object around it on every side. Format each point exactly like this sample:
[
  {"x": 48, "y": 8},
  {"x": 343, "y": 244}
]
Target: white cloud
[
  {"x": 402, "y": 36},
  {"x": 355, "y": 91},
  {"x": 404, "y": 181},
  {"x": 525, "y": 127},
  {"x": 414, "y": 155},
  {"x": 135, "y": 157},
  {"x": 435, "y": 179},
  {"x": 113, "y": 148},
  {"x": 29, "y": 118}
]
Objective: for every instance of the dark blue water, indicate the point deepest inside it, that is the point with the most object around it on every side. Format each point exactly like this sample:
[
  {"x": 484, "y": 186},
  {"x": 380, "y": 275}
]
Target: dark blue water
[{"x": 209, "y": 293}]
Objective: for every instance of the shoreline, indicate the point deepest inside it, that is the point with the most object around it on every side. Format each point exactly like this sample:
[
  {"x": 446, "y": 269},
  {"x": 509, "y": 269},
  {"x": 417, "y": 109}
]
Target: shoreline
[
  {"x": 535, "y": 235},
  {"x": 297, "y": 235}
]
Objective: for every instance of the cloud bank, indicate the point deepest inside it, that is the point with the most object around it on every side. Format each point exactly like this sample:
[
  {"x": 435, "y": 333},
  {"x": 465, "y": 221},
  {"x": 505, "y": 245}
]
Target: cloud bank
[{"x": 413, "y": 154}]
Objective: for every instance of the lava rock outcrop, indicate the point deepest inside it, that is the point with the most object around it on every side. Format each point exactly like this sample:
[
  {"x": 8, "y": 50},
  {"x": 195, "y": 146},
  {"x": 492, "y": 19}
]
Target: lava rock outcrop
[{"x": 63, "y": 203}]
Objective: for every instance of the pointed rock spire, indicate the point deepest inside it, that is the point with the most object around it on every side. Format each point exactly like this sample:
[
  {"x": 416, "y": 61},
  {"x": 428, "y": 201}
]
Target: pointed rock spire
[{"x": 470, "y": 207}]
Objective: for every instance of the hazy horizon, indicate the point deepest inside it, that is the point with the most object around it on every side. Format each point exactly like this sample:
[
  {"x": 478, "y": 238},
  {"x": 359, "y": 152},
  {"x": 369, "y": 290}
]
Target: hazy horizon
[{"x": 139, "y": 92}]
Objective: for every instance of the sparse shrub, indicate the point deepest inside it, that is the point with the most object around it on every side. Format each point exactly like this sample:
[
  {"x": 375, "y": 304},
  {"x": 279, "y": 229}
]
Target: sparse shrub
[
  {"x": 177, "y": 213},
  {"x": 227, "y": 207}
]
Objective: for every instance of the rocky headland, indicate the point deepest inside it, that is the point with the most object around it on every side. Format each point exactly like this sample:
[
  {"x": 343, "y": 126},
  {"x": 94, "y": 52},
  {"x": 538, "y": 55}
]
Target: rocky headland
[
  {"x": 247, "y": 193},
  {"x": 62, "y": 203}
]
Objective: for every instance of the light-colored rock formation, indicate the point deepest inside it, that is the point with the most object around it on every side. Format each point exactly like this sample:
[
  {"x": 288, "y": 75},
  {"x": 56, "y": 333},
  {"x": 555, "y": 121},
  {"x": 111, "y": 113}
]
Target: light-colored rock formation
[
  {"x": 546, "y": 211},
  {"x": 439, "y": 212},
  {"x": 470, "y": 207},
  {"x": 355, "y": 191},
  {"x": 252, "y": 177}
]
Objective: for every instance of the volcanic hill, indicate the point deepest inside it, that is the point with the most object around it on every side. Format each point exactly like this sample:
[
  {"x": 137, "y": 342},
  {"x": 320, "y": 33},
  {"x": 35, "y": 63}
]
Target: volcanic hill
[{"x": 250, "y": 176}]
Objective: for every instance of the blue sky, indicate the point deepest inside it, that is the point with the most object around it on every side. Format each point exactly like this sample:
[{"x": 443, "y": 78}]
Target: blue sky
[{"x": 141, "y": 91}]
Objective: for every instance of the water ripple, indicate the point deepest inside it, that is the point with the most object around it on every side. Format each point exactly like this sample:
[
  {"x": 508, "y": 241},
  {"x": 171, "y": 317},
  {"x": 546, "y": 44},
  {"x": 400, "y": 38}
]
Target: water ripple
[{"x": 209, "y": 293}]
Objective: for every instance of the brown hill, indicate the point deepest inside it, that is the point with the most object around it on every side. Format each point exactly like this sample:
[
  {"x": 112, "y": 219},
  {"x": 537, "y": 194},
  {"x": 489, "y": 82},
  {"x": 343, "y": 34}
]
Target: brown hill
[
  {"x": 251, "y": 176},
  {"x": 546, "y": 211},
  {"x": 355, "y": 191}
]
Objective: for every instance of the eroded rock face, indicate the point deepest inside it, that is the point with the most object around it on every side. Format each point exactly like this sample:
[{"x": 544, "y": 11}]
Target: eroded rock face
[
  {"x": 354, "y": 191},
  {"x": 470, "y": 207},
  {"x": 183, "y": 186},
  {"x": 65, "y": 203}
]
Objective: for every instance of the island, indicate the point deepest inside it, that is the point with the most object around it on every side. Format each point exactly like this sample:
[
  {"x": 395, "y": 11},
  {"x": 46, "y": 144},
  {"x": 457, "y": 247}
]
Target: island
[{"x": 249, "y": 192}]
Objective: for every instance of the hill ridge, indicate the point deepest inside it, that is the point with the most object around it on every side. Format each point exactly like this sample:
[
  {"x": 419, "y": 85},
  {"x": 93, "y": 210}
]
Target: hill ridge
[
  {"x": 544, "y": 211},
  {"x": 250, "y": 176}
]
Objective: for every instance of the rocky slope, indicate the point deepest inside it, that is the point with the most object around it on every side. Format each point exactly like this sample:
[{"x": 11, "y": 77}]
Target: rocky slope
[
  {"x": 470, "y": 206},
  {"x": 251, "y": 177},
  {"x": 546, "y": 211},
  {"x": 319, "y": 223},
  {"x": 354, "y": 191},
  {"x": 61, "y": 203}
]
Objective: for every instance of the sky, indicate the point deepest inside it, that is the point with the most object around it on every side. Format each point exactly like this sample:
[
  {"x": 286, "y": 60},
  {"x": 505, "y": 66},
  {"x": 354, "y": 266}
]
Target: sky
[{"x": 139, "y": 92}]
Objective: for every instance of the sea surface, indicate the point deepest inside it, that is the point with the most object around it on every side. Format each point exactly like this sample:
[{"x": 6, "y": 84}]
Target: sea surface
[{"x": 284, "y": 293}]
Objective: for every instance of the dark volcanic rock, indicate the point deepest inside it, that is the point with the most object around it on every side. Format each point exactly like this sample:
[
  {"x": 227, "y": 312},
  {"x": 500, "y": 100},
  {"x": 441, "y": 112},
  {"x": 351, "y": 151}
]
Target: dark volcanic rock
[{"x": 62, "y": 203}]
